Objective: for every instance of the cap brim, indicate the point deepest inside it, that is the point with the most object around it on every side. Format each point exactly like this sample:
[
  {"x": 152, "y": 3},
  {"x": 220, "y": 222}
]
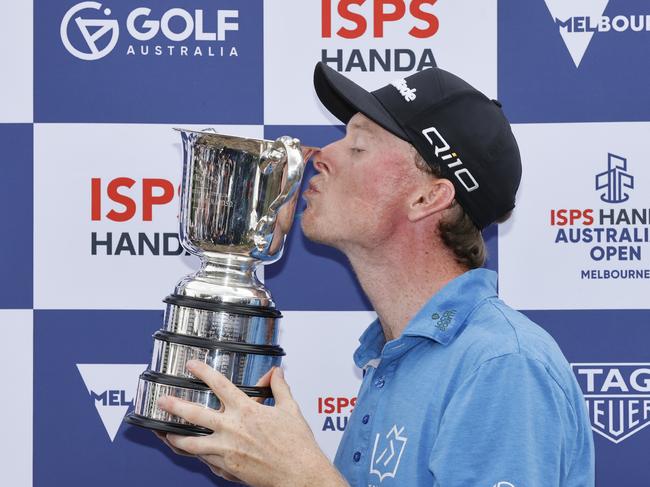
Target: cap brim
[{"x": 344, "y": 98}]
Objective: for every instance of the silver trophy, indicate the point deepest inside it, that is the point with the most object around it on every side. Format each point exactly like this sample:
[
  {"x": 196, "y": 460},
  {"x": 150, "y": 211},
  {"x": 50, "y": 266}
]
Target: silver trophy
[{"x": 237, "y": 205}]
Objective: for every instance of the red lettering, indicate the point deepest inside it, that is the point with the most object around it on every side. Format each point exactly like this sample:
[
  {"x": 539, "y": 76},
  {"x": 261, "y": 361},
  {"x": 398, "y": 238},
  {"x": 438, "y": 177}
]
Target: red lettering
[
  {"x": 124, "y": 200},
  {"x": 342, "y": 403},
  {"x": 326, "y": 21},
  {"x": 574, "y": 215},
  {"x": 95, "y": 199},
  {"x": 429, "y": 18},
  {"x": 566, "y": 216},
  {"x": 338, "y": 405},
  {"x": 381, "y": 16},
  {"x": 358, "y": 19},
  {"x": 329, "y": 405},
  {"x": 149, "y": 199}
]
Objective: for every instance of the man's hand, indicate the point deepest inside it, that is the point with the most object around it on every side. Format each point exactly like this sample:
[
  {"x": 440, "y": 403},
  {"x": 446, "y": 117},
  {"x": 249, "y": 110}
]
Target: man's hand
[{"x": 252, "y": 443}]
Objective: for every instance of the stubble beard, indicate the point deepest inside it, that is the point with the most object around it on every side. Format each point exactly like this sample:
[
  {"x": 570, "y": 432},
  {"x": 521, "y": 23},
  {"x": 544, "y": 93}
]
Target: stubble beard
[{"x": 316, "y": 229}]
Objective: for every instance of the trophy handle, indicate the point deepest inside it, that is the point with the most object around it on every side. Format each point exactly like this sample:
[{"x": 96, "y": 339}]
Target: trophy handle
[{"x": 284, "y": 149}]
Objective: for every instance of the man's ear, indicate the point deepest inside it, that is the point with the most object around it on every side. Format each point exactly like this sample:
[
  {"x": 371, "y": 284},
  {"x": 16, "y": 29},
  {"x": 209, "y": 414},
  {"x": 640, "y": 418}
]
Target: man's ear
[{"x": 432, "y": 196}]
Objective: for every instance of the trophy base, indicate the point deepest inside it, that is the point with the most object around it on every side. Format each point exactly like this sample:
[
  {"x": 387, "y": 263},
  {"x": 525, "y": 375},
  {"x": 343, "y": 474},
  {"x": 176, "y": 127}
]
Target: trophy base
[
  {"x": 164, "y": 427},
  {"x": 153, "y": 385}
]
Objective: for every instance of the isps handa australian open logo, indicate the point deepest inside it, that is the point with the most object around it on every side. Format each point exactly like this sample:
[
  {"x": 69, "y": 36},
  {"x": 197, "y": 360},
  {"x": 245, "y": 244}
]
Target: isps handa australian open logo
[
  {"x": 617, "y": 397},
  {"x": 613, "y": 231}
]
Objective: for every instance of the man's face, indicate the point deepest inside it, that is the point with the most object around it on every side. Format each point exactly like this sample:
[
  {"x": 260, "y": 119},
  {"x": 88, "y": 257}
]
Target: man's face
[{"x": 360, "y": 194}]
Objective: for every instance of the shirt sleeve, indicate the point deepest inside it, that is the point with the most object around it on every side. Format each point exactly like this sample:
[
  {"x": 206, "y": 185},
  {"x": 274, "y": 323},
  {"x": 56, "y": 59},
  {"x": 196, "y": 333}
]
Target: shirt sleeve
[{"x": 509, "y": 424}]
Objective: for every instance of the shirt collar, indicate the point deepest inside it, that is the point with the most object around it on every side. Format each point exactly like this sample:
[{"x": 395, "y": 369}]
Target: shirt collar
[{"x": 441, "y": 319}]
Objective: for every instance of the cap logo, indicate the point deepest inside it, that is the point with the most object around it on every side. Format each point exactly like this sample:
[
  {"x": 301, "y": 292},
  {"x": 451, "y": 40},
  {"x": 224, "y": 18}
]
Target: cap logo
[
  {"x": 449, "y": 158},
  {"x": 404, "y": 90}
]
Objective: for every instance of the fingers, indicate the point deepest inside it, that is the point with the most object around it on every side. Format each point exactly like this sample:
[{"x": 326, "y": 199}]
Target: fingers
[
  {"x": 281, "y": 391},
  {"x": 225, "y": 390},
  {"x": 163, "y": 437},
  {"x": 216, "y": 464},
  {"x": 265, "y": 381},
  {"x": 189, "y": 411},
  {"x": 194, "y": 445}
]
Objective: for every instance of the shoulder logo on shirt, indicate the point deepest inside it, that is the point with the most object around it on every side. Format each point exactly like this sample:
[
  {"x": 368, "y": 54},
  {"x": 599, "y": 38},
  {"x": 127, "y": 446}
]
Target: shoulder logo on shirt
[
  {"x": 503, "y": 483},
  {"x": 444, "y": 320},
  {"x": 387, "y": 453}
]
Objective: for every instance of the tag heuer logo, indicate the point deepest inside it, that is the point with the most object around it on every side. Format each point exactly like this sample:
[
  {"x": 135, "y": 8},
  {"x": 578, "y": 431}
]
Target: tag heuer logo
[{"x": 617, "y": 397}]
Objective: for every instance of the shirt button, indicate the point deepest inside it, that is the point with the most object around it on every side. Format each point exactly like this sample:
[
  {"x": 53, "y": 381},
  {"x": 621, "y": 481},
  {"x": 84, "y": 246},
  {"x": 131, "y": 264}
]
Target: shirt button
[
  {"x": 357, "y": 456},
  {"x": 379, "y": 383},
  {"x": 365, "y": 419}
]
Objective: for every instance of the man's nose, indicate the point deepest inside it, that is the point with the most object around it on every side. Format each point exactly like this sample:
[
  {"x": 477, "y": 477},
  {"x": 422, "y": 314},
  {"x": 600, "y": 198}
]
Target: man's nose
[{"x": 319, "y": 160}]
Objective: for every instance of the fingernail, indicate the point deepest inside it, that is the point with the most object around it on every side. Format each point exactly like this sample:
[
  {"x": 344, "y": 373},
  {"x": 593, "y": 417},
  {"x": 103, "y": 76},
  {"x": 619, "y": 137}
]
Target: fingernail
[
  {"x": 162, "y": 402},
  {"x": 281, "y": 372},
  {"x": 191, "y": 365}
]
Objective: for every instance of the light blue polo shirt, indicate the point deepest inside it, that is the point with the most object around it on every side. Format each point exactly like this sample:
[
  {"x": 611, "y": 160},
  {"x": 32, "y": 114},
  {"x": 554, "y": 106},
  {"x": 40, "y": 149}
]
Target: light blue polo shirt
[{"x": 472, "y": 394}]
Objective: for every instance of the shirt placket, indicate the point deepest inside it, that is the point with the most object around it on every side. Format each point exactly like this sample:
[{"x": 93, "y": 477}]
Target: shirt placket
[{"x": 379, "y": 384}]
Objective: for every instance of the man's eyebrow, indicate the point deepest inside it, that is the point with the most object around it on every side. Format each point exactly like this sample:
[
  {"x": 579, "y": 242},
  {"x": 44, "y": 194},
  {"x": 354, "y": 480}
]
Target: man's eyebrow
[{"x": 366, "y": 127}]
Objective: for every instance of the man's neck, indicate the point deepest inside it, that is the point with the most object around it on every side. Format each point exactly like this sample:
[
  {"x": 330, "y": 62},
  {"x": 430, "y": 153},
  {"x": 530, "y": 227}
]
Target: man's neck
[{"x": 400, "y": 279}]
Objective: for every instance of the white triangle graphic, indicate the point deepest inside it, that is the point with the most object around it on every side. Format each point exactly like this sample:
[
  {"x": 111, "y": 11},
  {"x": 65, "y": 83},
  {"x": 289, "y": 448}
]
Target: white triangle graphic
[
  {"x": 576, "y": 42},
  {"x": 112, "y": 386}
]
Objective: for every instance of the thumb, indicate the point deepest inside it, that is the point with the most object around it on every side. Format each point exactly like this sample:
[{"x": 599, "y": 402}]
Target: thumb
[{"x": 280, "y": 388}]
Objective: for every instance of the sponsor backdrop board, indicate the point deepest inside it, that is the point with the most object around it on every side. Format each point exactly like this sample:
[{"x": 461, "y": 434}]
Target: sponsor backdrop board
[{"x": 89, "y": 96}]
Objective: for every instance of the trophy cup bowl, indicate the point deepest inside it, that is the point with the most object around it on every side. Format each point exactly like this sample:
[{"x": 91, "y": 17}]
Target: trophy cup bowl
[{"x": 238, "y": 198}]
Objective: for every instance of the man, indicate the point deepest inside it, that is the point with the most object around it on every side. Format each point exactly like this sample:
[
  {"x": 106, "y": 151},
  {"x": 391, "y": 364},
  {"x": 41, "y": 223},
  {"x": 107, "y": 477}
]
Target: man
[{"x": 459, "y": 389}]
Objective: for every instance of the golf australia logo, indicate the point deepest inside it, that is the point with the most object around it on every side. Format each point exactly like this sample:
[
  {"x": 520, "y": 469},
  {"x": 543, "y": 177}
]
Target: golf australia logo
[
  {"x": 617, "y": 397},
  {"x": 615, "y": 180},
  {"x": 98, "y": 26},
  {"x": 387, "y": 453},
  {"x": 112, "y": 388},
  {"x": 89, "y": 33}
]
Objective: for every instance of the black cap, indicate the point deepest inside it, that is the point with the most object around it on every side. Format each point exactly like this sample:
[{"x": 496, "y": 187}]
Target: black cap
[{"x": 450, "y": 123}]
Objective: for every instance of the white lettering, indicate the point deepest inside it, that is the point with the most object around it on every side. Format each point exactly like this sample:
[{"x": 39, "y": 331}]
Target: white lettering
[
  {"x": 463, "y": 175},
  {"x": 634, "y": 380},
  {"x": 223, "y": 25},
  {"x": 404, "y": 90},
  {"x": 590, "y": 373},
  {"x": 614, "y": 379},
  {"x": 151, "y": 26},
  {"x": 201, "y": 35},
  {"x": 177, "y": 36},
  {"x": 620, "y": 23}
]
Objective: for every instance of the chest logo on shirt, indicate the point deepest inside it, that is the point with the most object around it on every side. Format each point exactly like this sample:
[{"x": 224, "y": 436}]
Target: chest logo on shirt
[{"x": 387, "y": 453}]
